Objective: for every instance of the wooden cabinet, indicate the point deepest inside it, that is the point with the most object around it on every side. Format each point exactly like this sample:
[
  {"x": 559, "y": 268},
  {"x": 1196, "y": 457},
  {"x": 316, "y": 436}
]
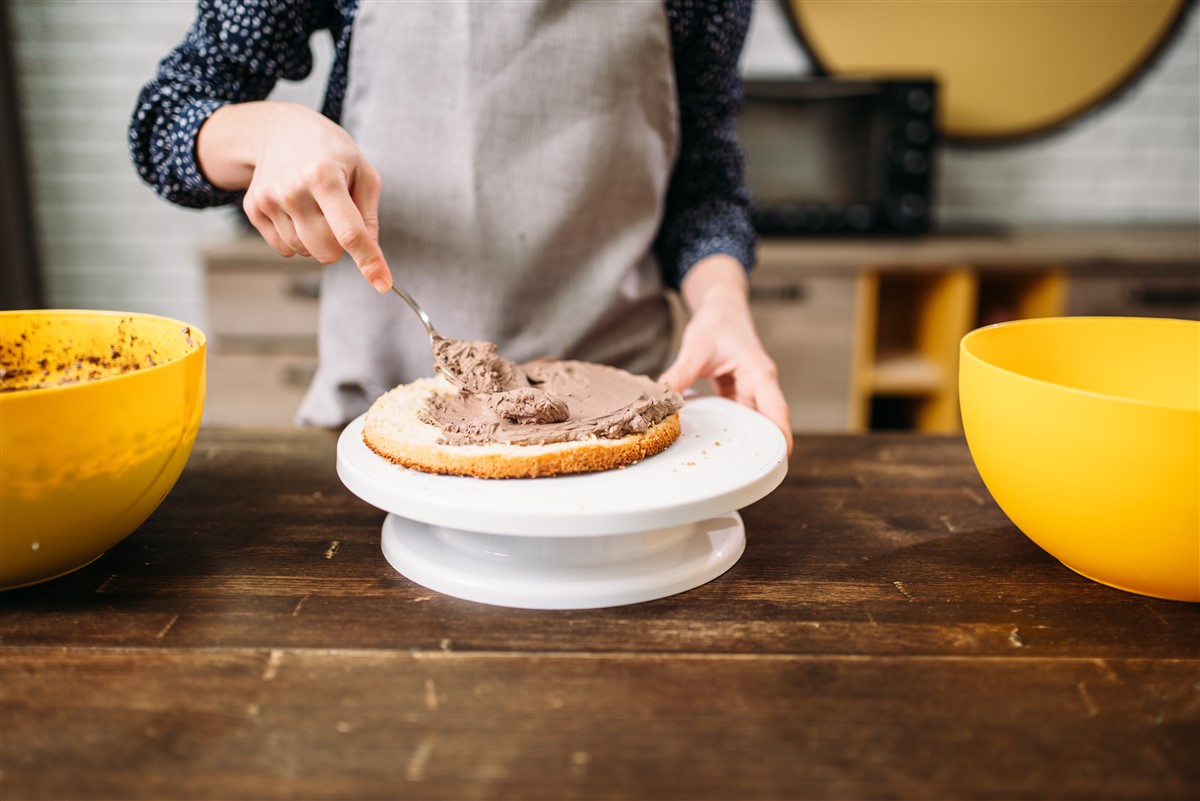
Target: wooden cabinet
[
  {"x": 808, "y": 326},
  {"x": 865, "y": 332},
  {"x": 914, "y": 300},
  {"x": 262, "y": 332},
  {"x": 913, "y": 322}
]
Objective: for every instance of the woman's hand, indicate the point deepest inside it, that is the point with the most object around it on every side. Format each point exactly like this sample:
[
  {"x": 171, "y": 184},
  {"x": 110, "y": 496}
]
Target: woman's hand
[
  {"x": 309, "y": 190},
  {"x": 721, "y": 344}
]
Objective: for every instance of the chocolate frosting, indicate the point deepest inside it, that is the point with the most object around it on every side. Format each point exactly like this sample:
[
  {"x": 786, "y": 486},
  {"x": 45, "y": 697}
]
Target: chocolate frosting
[
  {"x": 558, "y": 401},
  {"x": 476, "y": 366}
]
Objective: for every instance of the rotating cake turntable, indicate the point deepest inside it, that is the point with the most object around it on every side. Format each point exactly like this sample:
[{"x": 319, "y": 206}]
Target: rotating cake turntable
[{"x": 662, "y": 526}]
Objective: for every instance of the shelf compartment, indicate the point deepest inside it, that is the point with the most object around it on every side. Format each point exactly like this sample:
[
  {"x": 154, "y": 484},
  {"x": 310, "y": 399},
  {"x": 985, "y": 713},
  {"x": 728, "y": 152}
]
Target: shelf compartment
[
  {"x": 1019, "y": 295},
  {"x": 906, "y": 375},
  {"x": 912, "y": 324}
]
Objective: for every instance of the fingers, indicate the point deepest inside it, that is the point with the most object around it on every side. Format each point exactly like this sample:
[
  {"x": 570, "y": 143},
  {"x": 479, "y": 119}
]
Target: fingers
[
  {"x": 313, "y": 230},
  {"x": 289, "y": 234},
  {"x": 269, "y": 215},
  {"x": 688, "y": 366},
  {"x": 365, "y": 191},
  {"x": 758, "y": 387},
  {"x": 726, "y": 386},
  {"x": 264, "y": 225},
  {"x": 323, "y": 216},
  {"x": 770, "y": 401},
  {"x": 351, "y": 230},
  {"x": 755, "y": 386}
]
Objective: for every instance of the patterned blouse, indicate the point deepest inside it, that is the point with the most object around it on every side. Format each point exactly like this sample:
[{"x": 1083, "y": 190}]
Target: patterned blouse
[{"x": 236, "y": 50}]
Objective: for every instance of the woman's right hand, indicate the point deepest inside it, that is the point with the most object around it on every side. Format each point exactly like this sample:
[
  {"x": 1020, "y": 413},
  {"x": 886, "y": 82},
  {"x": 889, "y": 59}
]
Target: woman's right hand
[{"x": 309, "y": 190}]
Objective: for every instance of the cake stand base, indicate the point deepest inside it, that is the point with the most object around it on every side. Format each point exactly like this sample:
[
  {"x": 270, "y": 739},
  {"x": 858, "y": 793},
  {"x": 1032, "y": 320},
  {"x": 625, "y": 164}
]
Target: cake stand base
[{"x": 563, "y": 572}]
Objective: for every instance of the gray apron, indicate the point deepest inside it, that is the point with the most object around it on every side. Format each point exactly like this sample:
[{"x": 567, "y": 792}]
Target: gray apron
[{"x": 525, "y": 150}]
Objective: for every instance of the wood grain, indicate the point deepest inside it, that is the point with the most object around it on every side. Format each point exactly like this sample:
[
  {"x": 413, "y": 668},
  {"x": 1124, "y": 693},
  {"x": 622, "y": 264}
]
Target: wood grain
[
  {"x": 887, "y": 634},
  {"x": 383, "y": 724}
]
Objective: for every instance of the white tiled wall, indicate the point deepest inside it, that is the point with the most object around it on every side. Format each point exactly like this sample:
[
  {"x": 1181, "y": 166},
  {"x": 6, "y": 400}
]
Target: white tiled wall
[
  {"x": 108, "y": 242},
  {"x": 1136, "y": 159}
]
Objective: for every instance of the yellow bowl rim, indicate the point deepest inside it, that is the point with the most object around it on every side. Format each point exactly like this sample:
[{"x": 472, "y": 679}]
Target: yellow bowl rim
[
  {"x": 964, "y": 348},
  {"x": 41, "y": 391}
]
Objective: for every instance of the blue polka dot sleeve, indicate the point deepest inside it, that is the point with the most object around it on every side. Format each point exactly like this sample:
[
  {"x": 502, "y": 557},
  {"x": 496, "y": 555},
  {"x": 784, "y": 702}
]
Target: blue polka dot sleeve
[
  {"x": 236, "y": 50},
  {"x": 708, "y": 206}
]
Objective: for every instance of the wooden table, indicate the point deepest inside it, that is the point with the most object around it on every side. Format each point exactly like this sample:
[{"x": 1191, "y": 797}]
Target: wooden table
[{"x": 888, "y": 634}]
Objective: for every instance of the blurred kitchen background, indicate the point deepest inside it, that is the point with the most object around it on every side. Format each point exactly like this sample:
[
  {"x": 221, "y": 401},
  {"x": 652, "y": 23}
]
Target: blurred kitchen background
[{"x": 896, "y": 227}]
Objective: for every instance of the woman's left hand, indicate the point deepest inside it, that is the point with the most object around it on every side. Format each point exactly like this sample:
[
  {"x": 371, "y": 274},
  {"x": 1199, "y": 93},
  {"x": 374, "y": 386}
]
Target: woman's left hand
[{"x": 721, "y": 344}]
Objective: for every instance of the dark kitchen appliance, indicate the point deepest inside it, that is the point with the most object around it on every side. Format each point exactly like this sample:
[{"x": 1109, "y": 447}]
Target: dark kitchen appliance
[{"x": 840, "y": 155}]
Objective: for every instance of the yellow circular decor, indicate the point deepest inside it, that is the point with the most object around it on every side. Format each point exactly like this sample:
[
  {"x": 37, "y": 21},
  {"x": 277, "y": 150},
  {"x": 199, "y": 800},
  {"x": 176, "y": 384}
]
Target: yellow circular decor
[{"x": 1006, "y": 68}]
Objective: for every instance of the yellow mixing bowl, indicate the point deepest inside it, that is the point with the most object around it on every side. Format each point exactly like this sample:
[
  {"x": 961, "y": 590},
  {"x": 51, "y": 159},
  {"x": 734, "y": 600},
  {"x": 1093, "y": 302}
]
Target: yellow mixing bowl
[
  {"x": 1086, "y": 431},
  {"x": 98, "y": 414}
]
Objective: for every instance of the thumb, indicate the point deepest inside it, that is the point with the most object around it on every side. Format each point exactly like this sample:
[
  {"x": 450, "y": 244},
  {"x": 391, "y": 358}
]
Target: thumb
[{"x": 683, "y": 372}]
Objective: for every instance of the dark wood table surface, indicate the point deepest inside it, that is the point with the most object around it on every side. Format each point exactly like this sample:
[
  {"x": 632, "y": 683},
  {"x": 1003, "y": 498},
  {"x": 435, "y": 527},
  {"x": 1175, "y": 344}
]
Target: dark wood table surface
[{"x": 888, "y": 634}]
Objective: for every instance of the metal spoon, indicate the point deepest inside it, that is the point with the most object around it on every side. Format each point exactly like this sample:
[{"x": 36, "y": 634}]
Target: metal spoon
[
  {"x": 434, "y": 336},
  {"x": 516, "y": 400},
  {"x": 462, "y": 376}
]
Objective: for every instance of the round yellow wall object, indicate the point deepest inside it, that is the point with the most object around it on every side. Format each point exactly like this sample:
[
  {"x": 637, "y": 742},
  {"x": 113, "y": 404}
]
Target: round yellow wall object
[{"x": 1006, "y": 68}]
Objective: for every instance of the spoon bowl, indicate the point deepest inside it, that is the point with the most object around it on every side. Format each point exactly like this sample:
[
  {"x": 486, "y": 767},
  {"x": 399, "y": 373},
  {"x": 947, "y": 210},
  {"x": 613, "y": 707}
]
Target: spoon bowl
[
  {"x": 434, "y": 337},
  {"x": 473, "y": 367}
]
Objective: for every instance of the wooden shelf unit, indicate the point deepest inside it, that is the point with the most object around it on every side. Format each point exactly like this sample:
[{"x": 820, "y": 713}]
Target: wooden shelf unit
[
  {"x": 262, "y": 332},
  {"x": 905, "y": 304},
  {"x": 863, "y": 330},
  {"x": 910, "y": 323},
  {"x": 1017, "y": 294}
]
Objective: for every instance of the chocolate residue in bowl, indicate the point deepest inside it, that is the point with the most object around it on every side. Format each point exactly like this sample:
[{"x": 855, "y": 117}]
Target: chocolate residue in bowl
[{"x": 26, "y": 366}]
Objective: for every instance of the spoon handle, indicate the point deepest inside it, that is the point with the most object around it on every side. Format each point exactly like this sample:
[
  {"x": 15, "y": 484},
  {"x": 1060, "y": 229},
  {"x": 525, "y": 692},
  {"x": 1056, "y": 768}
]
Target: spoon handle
[{"x": 412, "y": 304}]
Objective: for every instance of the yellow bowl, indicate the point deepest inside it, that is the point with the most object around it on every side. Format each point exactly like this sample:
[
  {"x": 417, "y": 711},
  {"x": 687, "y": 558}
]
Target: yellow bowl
[
  {"x": 98, "y": 414},
  {"x": 1086, "y": 431}
]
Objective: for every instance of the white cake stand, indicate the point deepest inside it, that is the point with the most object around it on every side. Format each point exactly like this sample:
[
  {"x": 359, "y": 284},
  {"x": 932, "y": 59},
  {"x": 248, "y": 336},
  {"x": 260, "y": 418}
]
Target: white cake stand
[{"x": 656, "y": 528}]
